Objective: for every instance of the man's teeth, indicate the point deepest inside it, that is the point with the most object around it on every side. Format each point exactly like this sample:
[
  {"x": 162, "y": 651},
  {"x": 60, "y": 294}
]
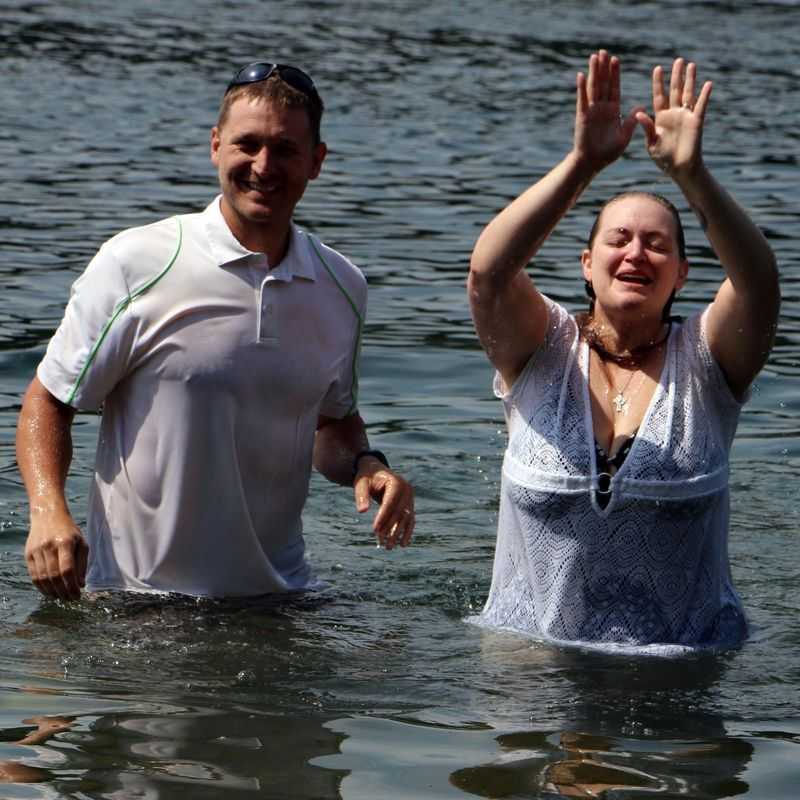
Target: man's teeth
[{"x": 640, "y": 279}]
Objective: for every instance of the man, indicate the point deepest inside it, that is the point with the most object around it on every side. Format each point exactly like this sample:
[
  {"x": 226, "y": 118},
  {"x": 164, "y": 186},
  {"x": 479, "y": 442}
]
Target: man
[{"x": 222, "y": 347}]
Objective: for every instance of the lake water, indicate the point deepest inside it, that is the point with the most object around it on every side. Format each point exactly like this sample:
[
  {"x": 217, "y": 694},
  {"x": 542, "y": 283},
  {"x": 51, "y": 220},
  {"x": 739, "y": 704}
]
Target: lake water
[{"x": 438, "y": 114}]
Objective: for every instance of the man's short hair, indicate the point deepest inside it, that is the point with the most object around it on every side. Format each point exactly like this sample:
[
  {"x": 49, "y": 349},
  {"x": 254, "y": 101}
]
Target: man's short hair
[{"x": 275, "y": 90}]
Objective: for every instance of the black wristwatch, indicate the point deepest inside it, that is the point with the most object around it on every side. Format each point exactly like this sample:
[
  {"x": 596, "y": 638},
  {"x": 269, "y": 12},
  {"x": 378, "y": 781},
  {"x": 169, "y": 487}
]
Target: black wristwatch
[{"x": 375, "y": 454}]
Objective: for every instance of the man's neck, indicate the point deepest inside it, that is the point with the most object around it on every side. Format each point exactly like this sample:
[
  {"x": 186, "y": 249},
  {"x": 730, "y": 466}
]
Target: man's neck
[{"x": 269, "y": 238}]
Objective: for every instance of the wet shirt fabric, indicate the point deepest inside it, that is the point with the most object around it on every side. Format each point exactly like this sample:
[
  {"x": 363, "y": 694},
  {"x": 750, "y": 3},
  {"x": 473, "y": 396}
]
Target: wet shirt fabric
[
  {"x": 211, "y": 370},
  {"x": 649, "y": 568}
]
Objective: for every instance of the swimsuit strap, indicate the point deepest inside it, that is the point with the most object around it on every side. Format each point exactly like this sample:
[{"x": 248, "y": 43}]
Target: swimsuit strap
[{"x": 604, "y": 462}]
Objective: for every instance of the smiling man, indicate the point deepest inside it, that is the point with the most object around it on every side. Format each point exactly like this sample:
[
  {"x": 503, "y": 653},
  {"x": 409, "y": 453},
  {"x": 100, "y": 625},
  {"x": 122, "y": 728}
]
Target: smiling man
[{"x": 223, "y": 349}]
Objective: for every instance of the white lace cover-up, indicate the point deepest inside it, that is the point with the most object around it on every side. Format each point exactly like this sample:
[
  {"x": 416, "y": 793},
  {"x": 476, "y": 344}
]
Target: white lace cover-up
[{"x": 652, "y": 567}]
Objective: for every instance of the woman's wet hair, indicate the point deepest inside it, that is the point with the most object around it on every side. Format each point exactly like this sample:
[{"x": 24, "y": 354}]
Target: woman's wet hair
[{"x": 679, "y": 235}]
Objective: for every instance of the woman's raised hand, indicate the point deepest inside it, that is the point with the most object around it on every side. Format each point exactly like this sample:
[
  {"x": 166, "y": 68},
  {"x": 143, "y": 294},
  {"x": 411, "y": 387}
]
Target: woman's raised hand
[
  {"x": 601, "y": 132},
  {"x": 675, "y": 131}
]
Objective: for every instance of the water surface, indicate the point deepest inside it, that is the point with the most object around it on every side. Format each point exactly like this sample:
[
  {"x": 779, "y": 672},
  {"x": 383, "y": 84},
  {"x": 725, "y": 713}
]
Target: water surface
[{"x": 438, "y": 114}]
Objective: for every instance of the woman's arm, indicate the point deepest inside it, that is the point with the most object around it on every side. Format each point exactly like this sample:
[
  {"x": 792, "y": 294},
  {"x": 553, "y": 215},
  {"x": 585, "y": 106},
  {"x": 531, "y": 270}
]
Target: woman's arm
[
  {"x": 508, "y": 311},
  {"x": 742, "y": 319}
]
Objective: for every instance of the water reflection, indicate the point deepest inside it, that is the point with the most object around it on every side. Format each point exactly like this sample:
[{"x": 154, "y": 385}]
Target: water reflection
[
  {"x": 220, "y": 678},
  {"x": 169, "y": 752},
  {"x": 581, "y": 765},
  {"x": 433, "y": 126},
  {"x": 209, "y": 752},
  {"x": 639, "y": 725},
  {"x": 42, "y": 729}
]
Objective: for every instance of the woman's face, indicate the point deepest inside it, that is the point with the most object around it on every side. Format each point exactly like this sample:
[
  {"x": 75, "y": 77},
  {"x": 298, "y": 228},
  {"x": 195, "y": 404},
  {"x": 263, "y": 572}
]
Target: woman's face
[{"x": 634, "y": 263}]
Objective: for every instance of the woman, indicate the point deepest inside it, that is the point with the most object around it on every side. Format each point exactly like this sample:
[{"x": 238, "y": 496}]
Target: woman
[{"x": 614, "y": 504}]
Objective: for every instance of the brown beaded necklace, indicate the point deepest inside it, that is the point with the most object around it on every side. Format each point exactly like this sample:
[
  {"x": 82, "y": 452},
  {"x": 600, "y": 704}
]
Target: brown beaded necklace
[{"x": 629, "y": 358}]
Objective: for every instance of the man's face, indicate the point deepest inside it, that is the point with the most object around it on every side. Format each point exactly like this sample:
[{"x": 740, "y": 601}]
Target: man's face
[{"x": 265, "y": 155}]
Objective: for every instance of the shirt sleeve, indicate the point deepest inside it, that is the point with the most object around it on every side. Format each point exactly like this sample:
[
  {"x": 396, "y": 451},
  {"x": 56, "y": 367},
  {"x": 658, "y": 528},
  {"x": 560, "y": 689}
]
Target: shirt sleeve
[
  {"x": 90, "y": 351},
  {"x": 341, "y": 400},
  {"x": 705, "y": 367},
  {"x": 561, "y": 331}
]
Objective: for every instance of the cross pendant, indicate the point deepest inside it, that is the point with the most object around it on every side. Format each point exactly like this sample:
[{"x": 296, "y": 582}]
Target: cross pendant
[{"x": 620, "y": 404}]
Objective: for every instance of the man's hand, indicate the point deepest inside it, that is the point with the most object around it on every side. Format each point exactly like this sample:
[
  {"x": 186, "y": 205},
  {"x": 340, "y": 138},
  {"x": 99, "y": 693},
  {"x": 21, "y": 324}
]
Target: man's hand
[
  {"x": 394, "y": 522},
  {"x": 56, "y": 554},
  {"x": 336, "y": 443}
]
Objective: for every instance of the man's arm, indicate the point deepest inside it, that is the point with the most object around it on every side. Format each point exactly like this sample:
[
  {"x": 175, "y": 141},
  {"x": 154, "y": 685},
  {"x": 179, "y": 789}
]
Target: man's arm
[
  {"x": 338, "y": 442},
  {"x": 56, "y": 552}
]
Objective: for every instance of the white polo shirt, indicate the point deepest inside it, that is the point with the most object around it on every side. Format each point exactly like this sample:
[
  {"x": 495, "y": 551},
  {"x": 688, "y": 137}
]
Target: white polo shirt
[{"x": 212, "y": 371}]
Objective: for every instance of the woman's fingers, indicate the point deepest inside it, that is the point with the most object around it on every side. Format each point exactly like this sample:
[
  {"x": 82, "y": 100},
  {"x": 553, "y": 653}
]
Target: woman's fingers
[
  {"x": 659, "y": 100},
  {"x": 628, "y": 124},
  {"x": 614, "y": 80},
  {"x": 682, "y": 87},
  {"x": 581, "y": 98},
  {"x": 702, "y": 100},
  {"x": 604, "y": 63},
  {"x": 676, "y": 84},
  {"x": 602, "y": 82},
  {"x": 591, "y": 81},
  {"x": 687, "y": 97},
  {"x": 648, "y": 126}
]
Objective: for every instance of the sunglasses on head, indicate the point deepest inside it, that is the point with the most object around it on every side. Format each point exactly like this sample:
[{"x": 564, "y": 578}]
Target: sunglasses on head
[{"x": 261, "y": 70}]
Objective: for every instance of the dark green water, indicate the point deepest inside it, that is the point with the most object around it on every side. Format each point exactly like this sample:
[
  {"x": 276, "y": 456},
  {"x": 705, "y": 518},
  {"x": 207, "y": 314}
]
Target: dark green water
[{"x": 437, "y": 115}]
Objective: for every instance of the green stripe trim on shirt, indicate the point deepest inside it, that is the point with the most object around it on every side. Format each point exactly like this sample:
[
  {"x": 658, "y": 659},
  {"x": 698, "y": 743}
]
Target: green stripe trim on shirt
[
  {"x": 120, "y": 307},
  {"x": 354, "y": 365}
]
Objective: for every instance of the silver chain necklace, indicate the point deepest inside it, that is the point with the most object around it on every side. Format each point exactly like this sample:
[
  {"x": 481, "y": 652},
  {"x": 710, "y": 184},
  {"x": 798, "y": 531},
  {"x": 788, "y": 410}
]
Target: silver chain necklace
[{"x": 620, "y": 402}]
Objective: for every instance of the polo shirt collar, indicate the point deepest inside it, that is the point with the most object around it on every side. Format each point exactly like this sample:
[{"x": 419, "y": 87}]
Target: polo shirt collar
[{"x": 226, "y": 249}]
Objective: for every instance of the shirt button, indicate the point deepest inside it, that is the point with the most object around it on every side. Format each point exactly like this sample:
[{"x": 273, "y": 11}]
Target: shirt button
[{"x": 268, "y": 308}]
